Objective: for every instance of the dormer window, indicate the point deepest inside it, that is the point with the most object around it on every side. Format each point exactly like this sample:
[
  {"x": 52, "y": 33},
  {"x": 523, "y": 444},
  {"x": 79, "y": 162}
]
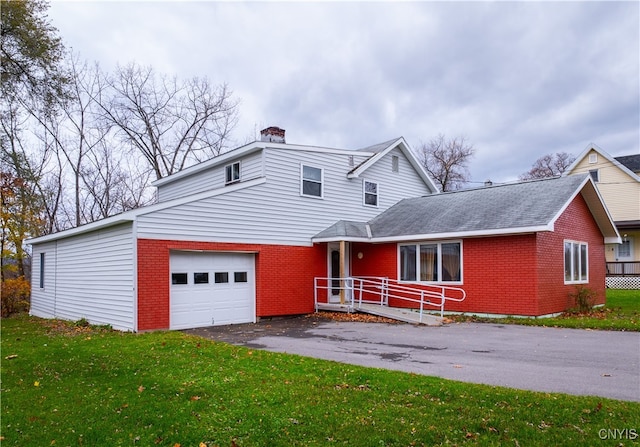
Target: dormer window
[
  {"x": 311, "y": 184},
  {"x": 232, "y": 173},
  {"x": 370, "y": 193}
]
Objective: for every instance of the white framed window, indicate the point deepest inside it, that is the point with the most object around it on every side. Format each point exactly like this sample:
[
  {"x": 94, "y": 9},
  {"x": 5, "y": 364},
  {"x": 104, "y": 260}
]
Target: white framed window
[
  {"x": 576, "y": 262},
  {"x": 593, "y": 158},
  {"x": 432, "y": 262},
  {"x": 370, "y": 193},
  {"x": 311, "y": 181},
  {"x": 595, "y": 175},
  {"x": 232, "y": 173}
]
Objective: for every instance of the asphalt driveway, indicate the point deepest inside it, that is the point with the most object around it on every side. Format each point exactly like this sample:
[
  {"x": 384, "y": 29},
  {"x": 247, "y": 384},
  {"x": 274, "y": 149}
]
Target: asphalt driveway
[{"x": 573, "y": 361}]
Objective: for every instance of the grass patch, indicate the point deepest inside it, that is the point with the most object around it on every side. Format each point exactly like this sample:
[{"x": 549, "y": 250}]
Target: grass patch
[
  {"x": 65, "y": 384},
  {"x": 621, "y": 313}
]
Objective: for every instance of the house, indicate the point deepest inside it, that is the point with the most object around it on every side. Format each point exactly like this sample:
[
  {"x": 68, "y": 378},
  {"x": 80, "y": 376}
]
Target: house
[
  {"x": 242, "y": 237},
  {"x": 618, "y": 180}
]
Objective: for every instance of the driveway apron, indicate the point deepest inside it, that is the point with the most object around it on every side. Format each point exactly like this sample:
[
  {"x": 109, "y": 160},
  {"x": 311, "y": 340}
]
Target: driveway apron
[{"x": 573, "y": 361}]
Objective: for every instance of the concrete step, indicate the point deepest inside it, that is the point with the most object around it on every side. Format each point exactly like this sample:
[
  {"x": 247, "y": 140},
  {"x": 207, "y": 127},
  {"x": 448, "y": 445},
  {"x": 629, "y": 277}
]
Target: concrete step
[{"x": 399, "y": 314}]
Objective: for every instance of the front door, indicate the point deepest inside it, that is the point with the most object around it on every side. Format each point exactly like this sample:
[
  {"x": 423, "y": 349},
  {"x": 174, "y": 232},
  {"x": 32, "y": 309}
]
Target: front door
[{"x": 333, "y": 260}]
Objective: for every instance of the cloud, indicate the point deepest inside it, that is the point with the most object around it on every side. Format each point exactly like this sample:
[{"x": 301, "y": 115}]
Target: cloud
[{"x": 518, "y": 79}]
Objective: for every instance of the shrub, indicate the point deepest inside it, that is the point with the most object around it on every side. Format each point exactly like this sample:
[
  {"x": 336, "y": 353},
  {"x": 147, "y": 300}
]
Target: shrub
[
  {"x": 583, "y": 299},
  {"x": 15, "y": 296}
]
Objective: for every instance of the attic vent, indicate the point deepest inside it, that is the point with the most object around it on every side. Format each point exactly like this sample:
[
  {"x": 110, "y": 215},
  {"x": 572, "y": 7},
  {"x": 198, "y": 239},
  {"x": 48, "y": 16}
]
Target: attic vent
[
  {"x": 395, "y": 163},
  {"x": 593, "y": 158},
  {"x": 272, "y": 135}
]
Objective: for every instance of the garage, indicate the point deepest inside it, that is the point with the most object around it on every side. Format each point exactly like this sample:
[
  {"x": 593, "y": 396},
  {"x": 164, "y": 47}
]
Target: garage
[{"x": 211, "y": 289}]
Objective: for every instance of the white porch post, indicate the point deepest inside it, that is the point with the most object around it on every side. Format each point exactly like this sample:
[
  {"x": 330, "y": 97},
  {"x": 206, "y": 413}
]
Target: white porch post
[{"x": 342, "y": 270}]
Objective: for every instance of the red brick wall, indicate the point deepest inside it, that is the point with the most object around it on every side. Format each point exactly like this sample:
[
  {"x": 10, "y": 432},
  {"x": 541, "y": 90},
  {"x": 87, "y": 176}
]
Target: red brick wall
[
  {"x": 499, "y": 275},
  {"x": 576, "y": 224},
  {"x": 512, "y": 275},
  {"x": 284, "y": 277}
]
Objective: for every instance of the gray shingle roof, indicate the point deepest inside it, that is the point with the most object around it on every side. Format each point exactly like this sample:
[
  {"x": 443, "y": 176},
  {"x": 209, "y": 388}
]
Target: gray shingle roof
[
  {"x": 345, "y": 228},
  {"x": 632, "y": 162},
  {"x": 518, "y": 206},
  {"x": 502, "y": 207}
]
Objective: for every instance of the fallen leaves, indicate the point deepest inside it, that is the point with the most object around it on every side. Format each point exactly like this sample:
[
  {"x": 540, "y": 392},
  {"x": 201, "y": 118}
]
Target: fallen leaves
[{"x": 357, "y": 317}]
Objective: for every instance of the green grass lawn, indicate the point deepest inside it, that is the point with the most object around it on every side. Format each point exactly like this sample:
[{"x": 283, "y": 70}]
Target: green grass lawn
[
  {"x": 621, "y": 313},
  {"x": 66, "y": 385}
]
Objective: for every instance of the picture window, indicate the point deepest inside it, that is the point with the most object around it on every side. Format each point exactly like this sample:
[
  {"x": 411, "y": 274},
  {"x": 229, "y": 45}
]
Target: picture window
[{"x": 431, "y": 262}]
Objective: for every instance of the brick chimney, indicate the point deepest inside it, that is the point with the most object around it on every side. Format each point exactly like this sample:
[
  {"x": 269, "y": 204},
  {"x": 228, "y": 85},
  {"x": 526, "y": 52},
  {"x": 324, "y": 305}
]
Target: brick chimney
[{"x": 272, "y": 135}]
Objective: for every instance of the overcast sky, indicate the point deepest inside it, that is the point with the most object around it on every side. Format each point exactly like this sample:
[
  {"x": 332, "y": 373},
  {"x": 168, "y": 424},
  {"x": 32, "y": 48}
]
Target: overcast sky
[{"x": 518, "y": 79}]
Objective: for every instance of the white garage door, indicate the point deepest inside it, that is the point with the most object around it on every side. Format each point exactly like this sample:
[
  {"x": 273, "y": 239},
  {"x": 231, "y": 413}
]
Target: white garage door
[{"x": 211, "y": 289}]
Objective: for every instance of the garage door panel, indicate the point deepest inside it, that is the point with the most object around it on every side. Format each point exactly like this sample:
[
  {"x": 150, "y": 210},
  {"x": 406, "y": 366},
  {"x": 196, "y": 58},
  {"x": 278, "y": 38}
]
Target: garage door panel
[{"x": 225, "y": 294}]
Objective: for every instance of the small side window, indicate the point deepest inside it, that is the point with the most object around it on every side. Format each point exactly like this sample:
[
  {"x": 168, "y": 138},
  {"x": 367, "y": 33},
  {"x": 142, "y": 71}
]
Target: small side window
[
  {"x": 42, "y": 270},
  {"x": 179, "y": 278},
  {"x": 370, "y": 193},
  {"x": 595, "y": 175},
  {"x": 221, "y": 277},
  {"x": 201, "y": 278},
  {"x": 311, "y": 181},
  {"x": 232, "y": 173}
]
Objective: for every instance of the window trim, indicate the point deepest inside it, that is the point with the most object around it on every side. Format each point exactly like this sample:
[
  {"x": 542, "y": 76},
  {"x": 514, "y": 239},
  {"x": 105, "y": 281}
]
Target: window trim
[
  {"x": 365, "y": 193},
  {"x": 303, "y": 179},
  {"x": 595, "y": 175},
  {"x": 439, "y": 244},
  {"x": 573, "y": 244},
  {"x": 228, "y": 169}
]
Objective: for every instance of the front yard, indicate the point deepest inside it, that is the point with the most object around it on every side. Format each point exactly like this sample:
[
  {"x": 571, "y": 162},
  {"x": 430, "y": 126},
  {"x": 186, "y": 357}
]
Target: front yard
[
  {"x": 66, "y": 384},
  {"x": 621, "y": 313}
]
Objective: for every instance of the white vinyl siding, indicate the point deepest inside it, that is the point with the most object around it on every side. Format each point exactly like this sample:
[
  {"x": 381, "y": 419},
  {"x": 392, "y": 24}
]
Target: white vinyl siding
[
  {"x": 88, "y": 276},
  {"x": 213, "y": 178},
  {"x": 275, "y": 212},
  {"x": 42, "y": 298}
]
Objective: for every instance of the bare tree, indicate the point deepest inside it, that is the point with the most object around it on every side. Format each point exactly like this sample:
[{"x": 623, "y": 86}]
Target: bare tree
[
  {"x": 172, "y": 124},
  {"x": 446, "y": 160},
  {"x": 550, "y": 165}
]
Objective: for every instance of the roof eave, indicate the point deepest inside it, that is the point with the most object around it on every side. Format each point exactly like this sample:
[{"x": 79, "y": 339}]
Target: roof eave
[{"x": 440, "y": 236}]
